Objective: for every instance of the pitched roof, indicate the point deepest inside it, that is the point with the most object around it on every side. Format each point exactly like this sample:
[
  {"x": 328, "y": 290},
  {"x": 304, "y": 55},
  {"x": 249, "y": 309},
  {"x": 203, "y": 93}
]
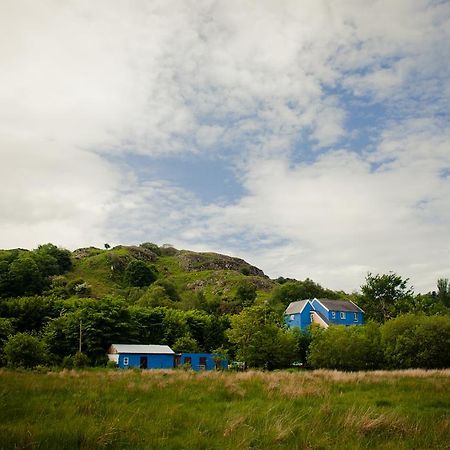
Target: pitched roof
[
  {"x": 339, "y": 305},
  {"x": 296, "y": 307},
  {"x": 143, "y": 349}
]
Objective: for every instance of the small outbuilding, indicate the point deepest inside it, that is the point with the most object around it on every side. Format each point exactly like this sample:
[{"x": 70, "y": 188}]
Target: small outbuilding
[
  {"x": 142, "y": 356},
  {"x": 161, "y": 357}
]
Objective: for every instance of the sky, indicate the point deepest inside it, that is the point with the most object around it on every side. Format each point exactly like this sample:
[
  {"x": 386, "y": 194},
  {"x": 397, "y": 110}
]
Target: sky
[{"x": 309, "y": 137}]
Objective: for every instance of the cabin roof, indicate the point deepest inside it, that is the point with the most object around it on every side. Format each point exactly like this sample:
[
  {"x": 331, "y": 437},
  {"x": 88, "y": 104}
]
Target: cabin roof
[
  {"x": 339, "y": 305},
  {"x": 296, "y": 307},
  {"x": 142, "y": 349}
]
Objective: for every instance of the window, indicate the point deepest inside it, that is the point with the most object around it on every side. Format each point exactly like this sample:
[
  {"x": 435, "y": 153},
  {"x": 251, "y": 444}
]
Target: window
[
  {"x": 355, "y": 317},
  {"x": 188, "y": 360},
  {"x": 292, "y": 317},
  {"x": 333, "y": 314},
  {"x": 311, "y": 316},
  {"x": 125, "y": 361},
  {"x": 342, "y": 315},
  {"x": 202, "y": 363}
]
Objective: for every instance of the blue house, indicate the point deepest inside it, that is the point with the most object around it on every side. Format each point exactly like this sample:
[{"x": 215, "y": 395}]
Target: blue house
[
  {"x": 161, "y": 357},
  {"x": 323, "y": 312}
]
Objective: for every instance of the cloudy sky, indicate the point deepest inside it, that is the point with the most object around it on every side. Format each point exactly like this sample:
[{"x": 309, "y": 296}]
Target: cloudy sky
[{"x": 309, "y": 137}]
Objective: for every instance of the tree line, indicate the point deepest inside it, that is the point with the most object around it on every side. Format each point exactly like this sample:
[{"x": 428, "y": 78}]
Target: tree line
[{"x": 42, "y": 322}]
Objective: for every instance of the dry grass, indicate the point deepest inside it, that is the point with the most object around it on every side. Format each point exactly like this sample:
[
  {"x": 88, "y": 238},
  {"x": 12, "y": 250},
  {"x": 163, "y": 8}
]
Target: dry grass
[{"x": 171, "y": 409}]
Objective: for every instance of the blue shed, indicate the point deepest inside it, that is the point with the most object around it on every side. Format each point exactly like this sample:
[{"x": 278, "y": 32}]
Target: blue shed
[
  {"x": 200, "y": 361},
  {"x": 142, "y": 356}
]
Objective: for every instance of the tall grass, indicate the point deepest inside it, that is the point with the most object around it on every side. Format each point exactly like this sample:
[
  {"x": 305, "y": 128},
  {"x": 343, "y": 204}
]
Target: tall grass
[{"x": 251, "y": 410}]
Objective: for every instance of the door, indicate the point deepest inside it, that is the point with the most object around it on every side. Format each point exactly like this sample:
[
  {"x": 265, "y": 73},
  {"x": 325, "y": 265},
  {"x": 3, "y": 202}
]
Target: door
[{"x": 143, "y": 362}]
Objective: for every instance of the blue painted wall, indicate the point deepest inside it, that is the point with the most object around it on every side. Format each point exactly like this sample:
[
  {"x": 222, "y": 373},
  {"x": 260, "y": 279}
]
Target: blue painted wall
[
  {"x": 320, "y": 308},
  {"x": 195, "y": 361},
  {"x": 300, "y": 320},
  {"x": 303, "y": 320},
  {"x": 154, "y": 361}
]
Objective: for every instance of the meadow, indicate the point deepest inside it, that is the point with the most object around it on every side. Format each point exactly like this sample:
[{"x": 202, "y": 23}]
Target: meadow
[{"x": 106, "y": 408}]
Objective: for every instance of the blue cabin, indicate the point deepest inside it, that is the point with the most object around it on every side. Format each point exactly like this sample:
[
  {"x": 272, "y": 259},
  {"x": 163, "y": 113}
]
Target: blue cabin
[
  {"x": 142, "y": 356},
  {"x": 323, "y": 312},
  {"x": 161, "y": 357}
]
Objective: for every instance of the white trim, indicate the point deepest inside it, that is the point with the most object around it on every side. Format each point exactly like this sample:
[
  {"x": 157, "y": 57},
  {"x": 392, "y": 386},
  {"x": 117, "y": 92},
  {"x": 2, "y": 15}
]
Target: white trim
[
  {"x": 321, "y": 304},
  {"x": 342, "y": 315},
  {"x": 357, "y": 306},
  {"x": 126, "y": 360},
  {"x": 355, "y": 317},
  {"x": 306, "y": 302},
  {"x": 320, "y": 318},
  {"x": 333, "y": 314}
]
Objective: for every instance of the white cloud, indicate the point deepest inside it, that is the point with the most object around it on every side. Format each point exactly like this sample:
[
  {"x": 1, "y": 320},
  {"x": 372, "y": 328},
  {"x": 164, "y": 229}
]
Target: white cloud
[{"x": 248, "y": 81}]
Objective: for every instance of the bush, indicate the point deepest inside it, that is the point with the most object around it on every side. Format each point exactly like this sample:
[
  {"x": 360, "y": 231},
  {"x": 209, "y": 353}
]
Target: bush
[
  {"x": 138, "y": 274},
  {"x": 24, "y": 350},
  {"x": 417, "y": 341},
  {"x": 185, "y": 344},
  {"x": 80, "y": 360},
  {"x": 346, "y": 348}
]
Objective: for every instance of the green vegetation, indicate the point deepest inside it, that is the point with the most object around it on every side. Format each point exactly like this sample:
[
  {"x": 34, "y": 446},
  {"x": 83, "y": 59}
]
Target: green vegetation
[
  {"x": 252, "y": 410},
  {"x": 203, "y": 302}
]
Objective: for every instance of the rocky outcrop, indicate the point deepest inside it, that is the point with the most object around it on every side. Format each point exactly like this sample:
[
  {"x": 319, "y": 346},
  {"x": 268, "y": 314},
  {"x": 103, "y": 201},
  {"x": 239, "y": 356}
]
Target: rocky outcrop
[{"x": 192, "y": 261}]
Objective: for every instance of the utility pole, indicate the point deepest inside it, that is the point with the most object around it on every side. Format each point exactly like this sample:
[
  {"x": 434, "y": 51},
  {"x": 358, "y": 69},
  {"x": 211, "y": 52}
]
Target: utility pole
[{"x": 79, "y": 343}]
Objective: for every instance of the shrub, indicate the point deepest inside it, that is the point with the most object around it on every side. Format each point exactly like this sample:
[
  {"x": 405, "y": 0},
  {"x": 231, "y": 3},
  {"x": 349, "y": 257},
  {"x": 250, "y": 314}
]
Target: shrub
[
  {"x": 80, "y": 360},
  {"x": 138, "y": 274},
  {"x": 346, "y": 348},
  {"x": 417, "y": 341},
  {"x": 24, "y": 350}
]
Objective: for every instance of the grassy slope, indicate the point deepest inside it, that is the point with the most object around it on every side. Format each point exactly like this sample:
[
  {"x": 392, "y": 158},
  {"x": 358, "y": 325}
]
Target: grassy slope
[
  {"x": 174, "y": 410},
  {"x": 96, "y": 271}
]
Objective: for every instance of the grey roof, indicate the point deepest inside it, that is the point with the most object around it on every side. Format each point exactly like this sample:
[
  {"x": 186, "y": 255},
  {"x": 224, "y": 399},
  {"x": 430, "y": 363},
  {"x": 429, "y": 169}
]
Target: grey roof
[
  {"x": 340, "y": 305},
  {"x": 296, "y": 307},
  {"x": 143, "y": 349}
]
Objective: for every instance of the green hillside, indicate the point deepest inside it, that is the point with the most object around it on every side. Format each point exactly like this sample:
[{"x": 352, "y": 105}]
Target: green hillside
[{"x": 216, "y": 276}]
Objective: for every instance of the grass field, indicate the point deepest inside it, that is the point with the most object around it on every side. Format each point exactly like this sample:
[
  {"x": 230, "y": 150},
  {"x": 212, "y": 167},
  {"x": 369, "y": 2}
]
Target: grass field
[{"x": 249, "y": 410}]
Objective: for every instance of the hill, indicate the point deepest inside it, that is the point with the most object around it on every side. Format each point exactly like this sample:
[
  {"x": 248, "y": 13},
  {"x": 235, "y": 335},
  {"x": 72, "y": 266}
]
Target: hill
[{"x": 185, "y": 273}]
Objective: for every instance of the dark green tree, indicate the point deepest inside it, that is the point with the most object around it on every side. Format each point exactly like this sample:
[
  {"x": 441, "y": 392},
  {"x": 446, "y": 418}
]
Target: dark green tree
[
  {"x": 417, "y": 341},
  {"x": 385, "y": 296},
  {"x": 139, "y": 274},
  {"x": 24, "y": 350},
  {"x": 260, "y": 340},
  {"x": 245, "y": 293},
  {"x": 346, "y": 348},
  {"x": 443, "y": 291},
  {"x": 292, "y": 291}
]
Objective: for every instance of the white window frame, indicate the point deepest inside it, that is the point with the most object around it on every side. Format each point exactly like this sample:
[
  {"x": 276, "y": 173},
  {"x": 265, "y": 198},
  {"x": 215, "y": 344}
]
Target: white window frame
[
  {"x": 125, "y": 360},
  {"x": 311, "y": 317},
  {"x": 355, "y": 317},
  {"x": 333, "y": 314},
  {"x": 342, "y": 315},
  {"x": 292, "y": 316}
]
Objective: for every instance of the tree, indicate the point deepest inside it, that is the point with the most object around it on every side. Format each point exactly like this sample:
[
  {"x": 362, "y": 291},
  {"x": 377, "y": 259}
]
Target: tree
[
  {"x": 292, "y": 291},
  {"x": 24, "y": 350},
  {"x": 417, "y": 341},
  {"x": 186, "y": 344},
  {"x": 443, "y": 292},
  {"x": 25, "y": 278},
  {"x": 385, "y": 296},
  {"x": 259, "y": 339},
  {"x": 346, "y": 348},
  {"x": 139, "y": 274},
  {"x": 61, "y": 256},
  {"x": 107, "y": 246},
  {"x": 245, "y": 293}
]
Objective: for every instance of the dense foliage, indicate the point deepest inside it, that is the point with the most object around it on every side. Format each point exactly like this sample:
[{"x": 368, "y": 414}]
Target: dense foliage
[{"x": 57, "y": 302}]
